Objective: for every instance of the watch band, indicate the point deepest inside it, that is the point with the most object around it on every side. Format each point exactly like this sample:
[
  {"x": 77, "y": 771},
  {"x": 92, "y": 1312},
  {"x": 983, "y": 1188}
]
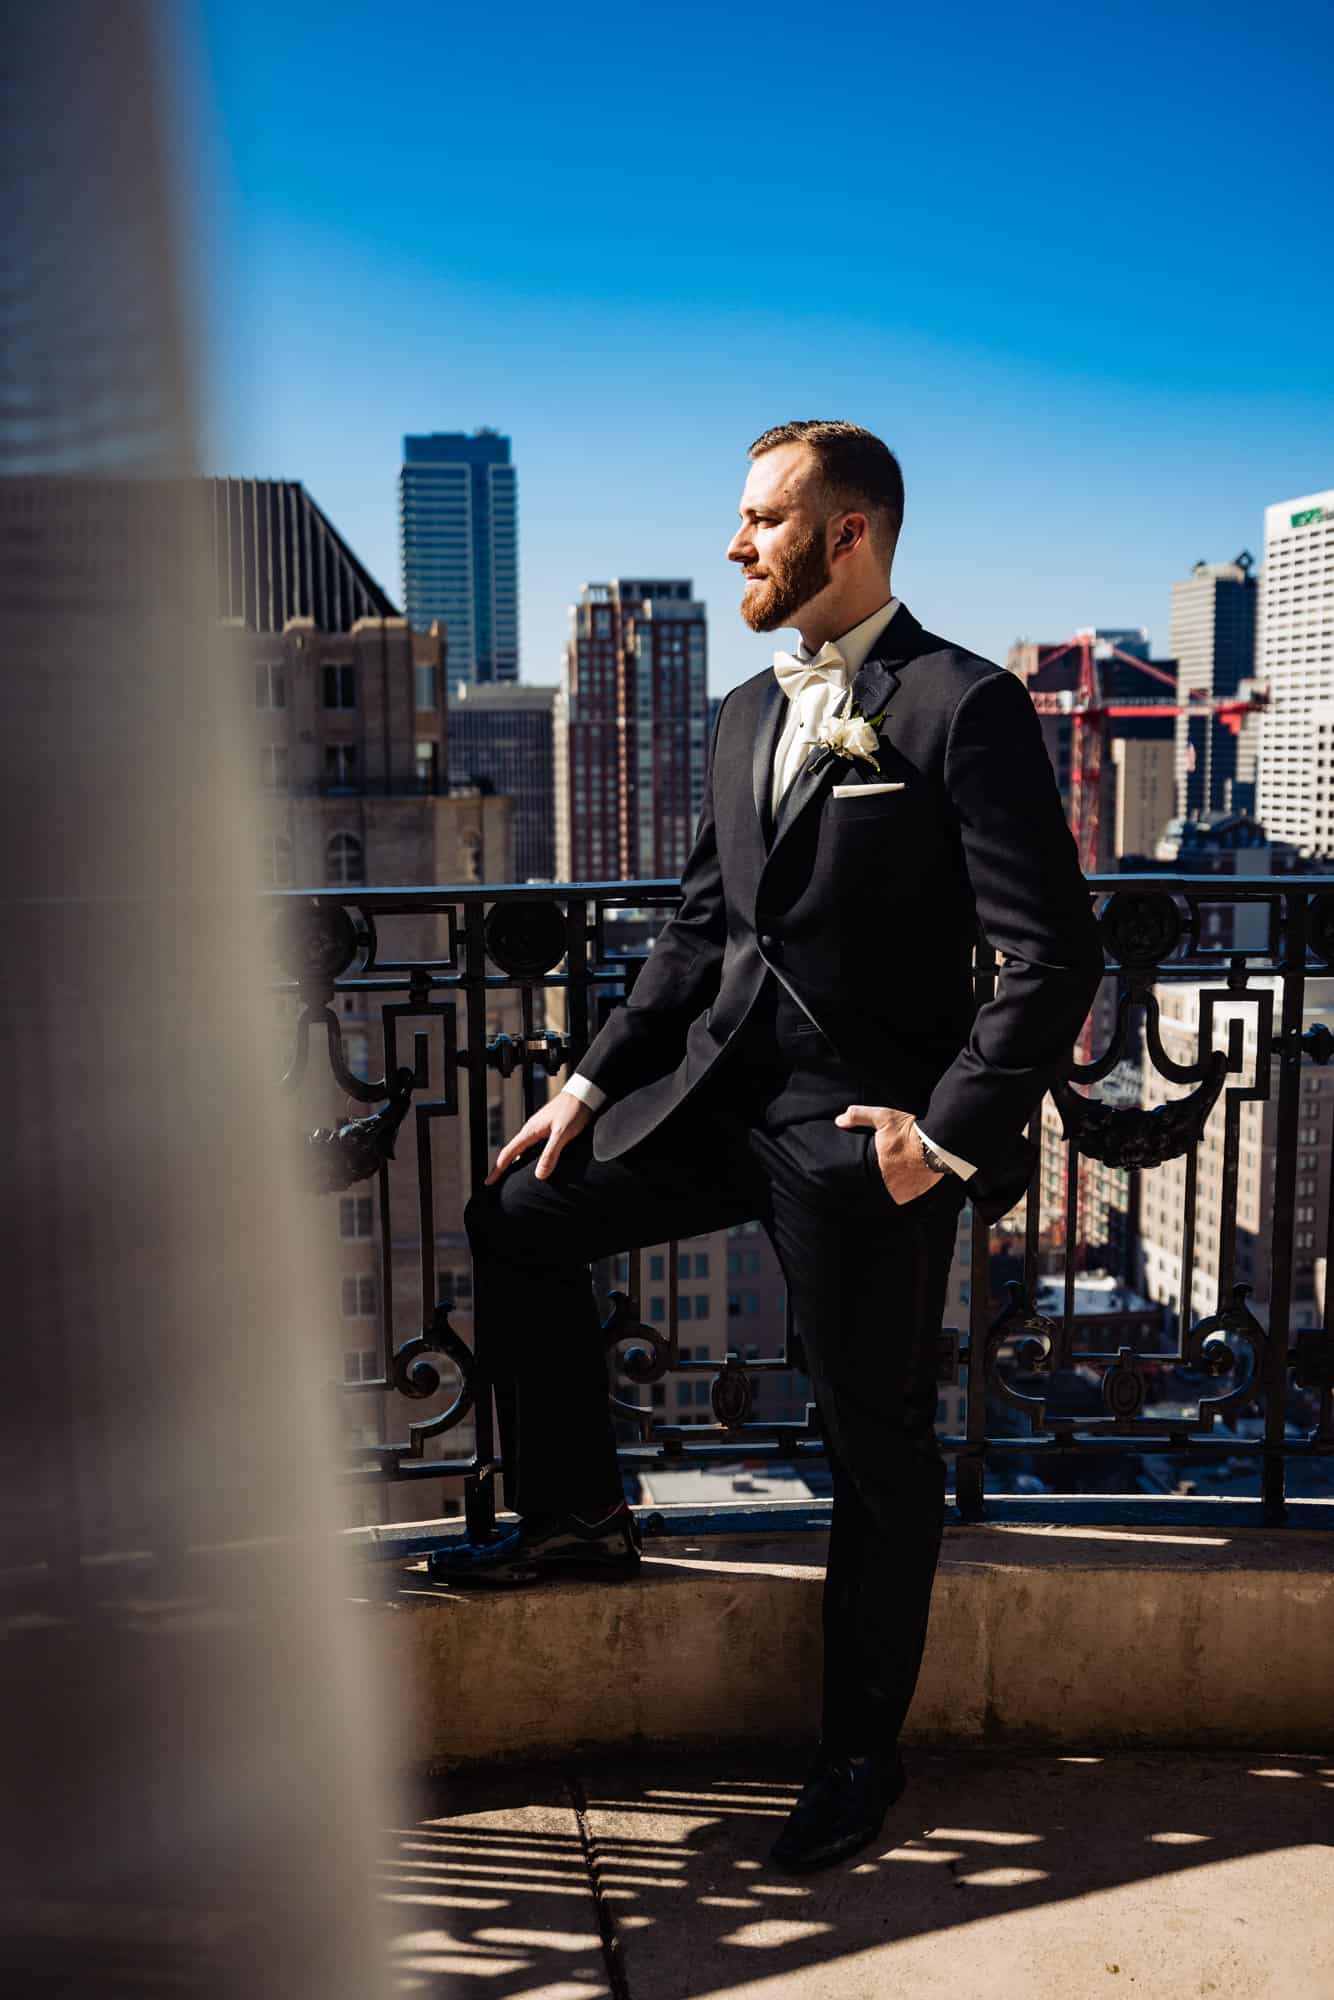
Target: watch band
[{"x": 931, "y": 1158}]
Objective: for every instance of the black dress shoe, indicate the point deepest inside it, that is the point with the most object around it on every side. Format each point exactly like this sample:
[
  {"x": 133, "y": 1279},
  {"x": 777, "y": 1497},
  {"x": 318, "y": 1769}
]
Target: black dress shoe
[
  {"x": 608, "y": 1548},
  {"x": 841, "y": 1809}
]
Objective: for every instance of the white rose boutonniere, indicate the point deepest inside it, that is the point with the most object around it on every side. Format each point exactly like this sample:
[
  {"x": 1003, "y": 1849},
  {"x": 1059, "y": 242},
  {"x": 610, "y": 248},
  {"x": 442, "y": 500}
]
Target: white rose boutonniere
[{"x": 850, "y": 736}]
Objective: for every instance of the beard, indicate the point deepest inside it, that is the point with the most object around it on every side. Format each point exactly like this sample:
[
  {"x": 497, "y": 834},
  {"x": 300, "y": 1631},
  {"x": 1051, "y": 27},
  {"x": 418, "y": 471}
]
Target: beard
[{"x": 793, "y": 579}]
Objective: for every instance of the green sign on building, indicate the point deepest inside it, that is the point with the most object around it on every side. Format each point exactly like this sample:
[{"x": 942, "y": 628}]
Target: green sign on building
[{"x": 1307, "y": 515}]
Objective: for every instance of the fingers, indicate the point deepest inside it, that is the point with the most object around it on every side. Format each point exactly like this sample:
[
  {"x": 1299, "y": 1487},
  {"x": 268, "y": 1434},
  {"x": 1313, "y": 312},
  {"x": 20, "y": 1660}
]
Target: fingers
[
  {"x": 511, "y": 1150},
  {"x": 860, "y": 1114},
  {"x": 555, "y": 1146}
]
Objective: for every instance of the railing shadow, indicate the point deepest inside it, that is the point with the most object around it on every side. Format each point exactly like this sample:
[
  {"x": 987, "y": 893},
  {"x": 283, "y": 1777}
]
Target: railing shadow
[{"x": 1180, "y": 1870}]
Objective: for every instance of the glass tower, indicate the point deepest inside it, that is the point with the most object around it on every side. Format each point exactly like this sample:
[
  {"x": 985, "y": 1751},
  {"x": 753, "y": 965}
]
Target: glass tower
[{"x": 459, "y": 536}]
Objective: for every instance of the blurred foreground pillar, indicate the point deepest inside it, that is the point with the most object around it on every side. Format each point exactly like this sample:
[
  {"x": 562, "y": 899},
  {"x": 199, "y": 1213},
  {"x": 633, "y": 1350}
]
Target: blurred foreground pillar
[{"x": 190, "y": 1790}]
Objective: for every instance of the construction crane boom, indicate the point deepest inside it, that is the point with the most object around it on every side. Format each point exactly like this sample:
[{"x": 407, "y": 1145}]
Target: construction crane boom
[{"x": 1089, "y": 711}]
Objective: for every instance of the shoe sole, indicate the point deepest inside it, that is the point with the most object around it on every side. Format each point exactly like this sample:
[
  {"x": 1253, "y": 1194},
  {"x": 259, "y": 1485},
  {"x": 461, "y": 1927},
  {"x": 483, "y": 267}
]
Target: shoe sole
[{"x": 845, "y": 1850}]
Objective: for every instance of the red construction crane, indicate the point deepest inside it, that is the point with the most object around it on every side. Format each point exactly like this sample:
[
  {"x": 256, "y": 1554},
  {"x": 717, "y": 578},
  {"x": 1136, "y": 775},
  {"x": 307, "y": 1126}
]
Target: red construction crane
[{"x": 1089, "y": 712}]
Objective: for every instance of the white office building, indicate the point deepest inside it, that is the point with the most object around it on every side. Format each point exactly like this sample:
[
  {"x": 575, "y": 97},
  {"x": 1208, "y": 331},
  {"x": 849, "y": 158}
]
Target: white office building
[{"x": 1295, "y": 658}]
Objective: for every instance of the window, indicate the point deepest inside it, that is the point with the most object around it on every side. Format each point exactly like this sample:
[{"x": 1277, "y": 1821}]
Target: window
[
  {"x": 425, "y": 688},
  {"x": 683, "y": 1306},
  {"x": 361, "y": 1365},
  {"x": 275, "y": 861},
  {"x": 340, "y": 687},
  {"x": 428, "y": 766},
  {"x": 701, "y": 1263},
  {"x": 270, "y": 687},
  {"x": 701, "y": 1305},
  {"x": 683, "y": 1267},
  {"x": 702, "y": 1392},
  {"x": 683, "y": 1393},
  {"x": 357, "y": 1053},
  {"x": 346, "y": 863},
  {"x": 355, "y": 1215},
  {"x": 359, "y": 1297},
  {"x": 340, "y": 764},
  {"x": 657, "y": 1394},
  {"x": 655, "y": 1268},
  {"x": 273, "y": 766},
  {"x": 495, "y": 1124},
  {"x": 657, "y": 1307},
  {"x": 455, "y": 1285}
]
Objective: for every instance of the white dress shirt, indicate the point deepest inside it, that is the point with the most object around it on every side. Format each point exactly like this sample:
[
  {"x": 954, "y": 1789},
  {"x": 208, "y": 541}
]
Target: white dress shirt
[
  {"x": 798, "y": 734},
  {"x": 822, "y": 699}
]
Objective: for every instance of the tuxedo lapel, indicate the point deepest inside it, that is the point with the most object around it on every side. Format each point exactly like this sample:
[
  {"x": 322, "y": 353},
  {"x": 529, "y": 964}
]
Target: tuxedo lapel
[
  {"x": 773, "y": 713},
  {"x": 807, "y": 786}
]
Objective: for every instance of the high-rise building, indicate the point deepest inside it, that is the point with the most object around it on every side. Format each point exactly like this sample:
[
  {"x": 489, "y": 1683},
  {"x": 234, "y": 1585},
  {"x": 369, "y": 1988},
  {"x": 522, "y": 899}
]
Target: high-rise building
[
  {"x": 631, "y": 730},
  {"x": 459, "y": 536},
  {"x": 500, "y": 738},
  {"x": 1145, "y": 791},
  {"x": 1213, "y": 642},
  {"x": 1295, "y": 659}
]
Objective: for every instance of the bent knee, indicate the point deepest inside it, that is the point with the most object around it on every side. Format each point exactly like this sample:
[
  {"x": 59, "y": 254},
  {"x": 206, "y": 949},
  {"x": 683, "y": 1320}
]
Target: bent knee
[
  {"x": 503, "y": 1219},
  {"x": 484, "y": 1215}
]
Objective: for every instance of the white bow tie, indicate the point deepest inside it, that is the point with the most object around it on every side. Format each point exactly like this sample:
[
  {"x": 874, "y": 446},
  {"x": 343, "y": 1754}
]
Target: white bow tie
[{"x": 794, "y": 676}]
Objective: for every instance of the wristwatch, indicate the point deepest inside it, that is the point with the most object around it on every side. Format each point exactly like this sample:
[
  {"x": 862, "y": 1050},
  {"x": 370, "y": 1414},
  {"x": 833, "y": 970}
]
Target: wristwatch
[{"x": 931, "y": 1158}]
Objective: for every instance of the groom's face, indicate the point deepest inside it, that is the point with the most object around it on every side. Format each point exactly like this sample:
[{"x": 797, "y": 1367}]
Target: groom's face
[{"x": 781, "y": 544}]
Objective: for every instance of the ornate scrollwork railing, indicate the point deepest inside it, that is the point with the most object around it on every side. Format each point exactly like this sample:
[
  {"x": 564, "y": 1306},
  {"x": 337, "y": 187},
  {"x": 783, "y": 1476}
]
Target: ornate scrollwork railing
[{"x": 1200, "y": 1050}]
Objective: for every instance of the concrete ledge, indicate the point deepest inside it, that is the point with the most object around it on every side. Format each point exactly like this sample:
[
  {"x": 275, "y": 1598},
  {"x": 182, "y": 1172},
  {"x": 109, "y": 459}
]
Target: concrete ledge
[{"x": 1044, "y": 1633}]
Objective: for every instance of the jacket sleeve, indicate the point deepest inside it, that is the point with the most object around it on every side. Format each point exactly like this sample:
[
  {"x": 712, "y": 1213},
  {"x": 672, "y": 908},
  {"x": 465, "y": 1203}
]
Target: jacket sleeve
[
  {"x": 1032, "y": 905},
  {"x": 645, "y": 1038}
]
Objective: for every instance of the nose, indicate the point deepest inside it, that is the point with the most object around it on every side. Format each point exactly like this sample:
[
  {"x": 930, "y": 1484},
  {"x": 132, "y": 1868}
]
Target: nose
[{"x": 741, "y": 548}]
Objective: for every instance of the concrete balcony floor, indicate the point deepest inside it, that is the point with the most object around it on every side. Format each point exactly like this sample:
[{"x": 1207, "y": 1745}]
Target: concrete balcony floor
[{"x": 643, "y": 1876}]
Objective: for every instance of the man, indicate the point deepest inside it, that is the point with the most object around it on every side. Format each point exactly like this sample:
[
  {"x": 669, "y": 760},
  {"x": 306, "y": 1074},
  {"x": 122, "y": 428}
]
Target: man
[{"x": 801, "y": 1046}]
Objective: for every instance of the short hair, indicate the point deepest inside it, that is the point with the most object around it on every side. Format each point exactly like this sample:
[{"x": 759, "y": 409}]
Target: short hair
[{"x": 858, "y": 469}]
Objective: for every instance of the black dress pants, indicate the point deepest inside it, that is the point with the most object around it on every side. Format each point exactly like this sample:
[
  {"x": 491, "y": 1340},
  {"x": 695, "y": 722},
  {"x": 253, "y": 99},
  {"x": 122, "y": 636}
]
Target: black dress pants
[{"x": 866, "y": 1279}]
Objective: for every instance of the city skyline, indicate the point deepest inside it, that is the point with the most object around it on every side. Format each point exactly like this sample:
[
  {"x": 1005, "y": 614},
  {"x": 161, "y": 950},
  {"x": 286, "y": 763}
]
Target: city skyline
[{"x": 1084, "y": 400}]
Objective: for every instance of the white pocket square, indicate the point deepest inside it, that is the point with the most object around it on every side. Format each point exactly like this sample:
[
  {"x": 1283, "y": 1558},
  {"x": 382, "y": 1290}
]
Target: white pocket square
[{"x": 867, "y": 791}]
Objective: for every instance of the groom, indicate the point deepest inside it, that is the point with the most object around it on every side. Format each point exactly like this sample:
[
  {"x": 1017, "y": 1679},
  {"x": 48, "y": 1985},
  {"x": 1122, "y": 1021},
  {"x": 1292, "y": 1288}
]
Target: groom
[{"x": 802, "y": 1046}]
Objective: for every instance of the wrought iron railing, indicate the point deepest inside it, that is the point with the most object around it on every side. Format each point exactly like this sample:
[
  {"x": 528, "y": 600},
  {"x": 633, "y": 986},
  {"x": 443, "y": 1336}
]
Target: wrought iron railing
[{"x": 504, "y": 986}]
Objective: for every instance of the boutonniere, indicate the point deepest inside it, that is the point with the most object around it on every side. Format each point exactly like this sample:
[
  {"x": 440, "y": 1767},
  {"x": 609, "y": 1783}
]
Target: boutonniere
[{"x": 852, "y": 736}]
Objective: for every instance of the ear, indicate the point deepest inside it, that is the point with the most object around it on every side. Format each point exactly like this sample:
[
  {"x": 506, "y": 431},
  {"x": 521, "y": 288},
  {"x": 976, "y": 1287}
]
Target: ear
[{"x": 851, "y": 534}]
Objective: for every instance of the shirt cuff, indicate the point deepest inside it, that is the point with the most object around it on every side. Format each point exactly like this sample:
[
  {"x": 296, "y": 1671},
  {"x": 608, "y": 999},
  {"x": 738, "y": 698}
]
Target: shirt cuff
[
  {"x": 590, "y": 1093},
  {"x": 963, "y": 1168}
]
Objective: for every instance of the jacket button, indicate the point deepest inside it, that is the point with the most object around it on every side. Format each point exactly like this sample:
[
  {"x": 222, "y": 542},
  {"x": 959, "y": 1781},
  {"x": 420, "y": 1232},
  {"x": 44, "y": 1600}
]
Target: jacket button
[{"x": 768, "y": 942}]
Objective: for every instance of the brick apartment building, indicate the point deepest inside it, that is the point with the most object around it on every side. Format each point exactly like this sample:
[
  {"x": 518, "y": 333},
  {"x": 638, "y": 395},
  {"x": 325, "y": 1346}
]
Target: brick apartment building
[{"x": 631, "y": 723}]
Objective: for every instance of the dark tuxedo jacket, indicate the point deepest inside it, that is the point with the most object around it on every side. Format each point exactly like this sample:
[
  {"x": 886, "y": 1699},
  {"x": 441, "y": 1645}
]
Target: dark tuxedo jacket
[{"x": 866, "y": 910}]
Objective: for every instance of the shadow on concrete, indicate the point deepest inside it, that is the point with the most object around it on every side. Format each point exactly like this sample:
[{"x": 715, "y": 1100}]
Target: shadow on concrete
[{"x": 1024, "y": 1875}]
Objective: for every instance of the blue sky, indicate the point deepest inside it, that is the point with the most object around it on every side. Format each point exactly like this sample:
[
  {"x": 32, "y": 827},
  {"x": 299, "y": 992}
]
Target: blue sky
[{"x": 1074, "y": 265}]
